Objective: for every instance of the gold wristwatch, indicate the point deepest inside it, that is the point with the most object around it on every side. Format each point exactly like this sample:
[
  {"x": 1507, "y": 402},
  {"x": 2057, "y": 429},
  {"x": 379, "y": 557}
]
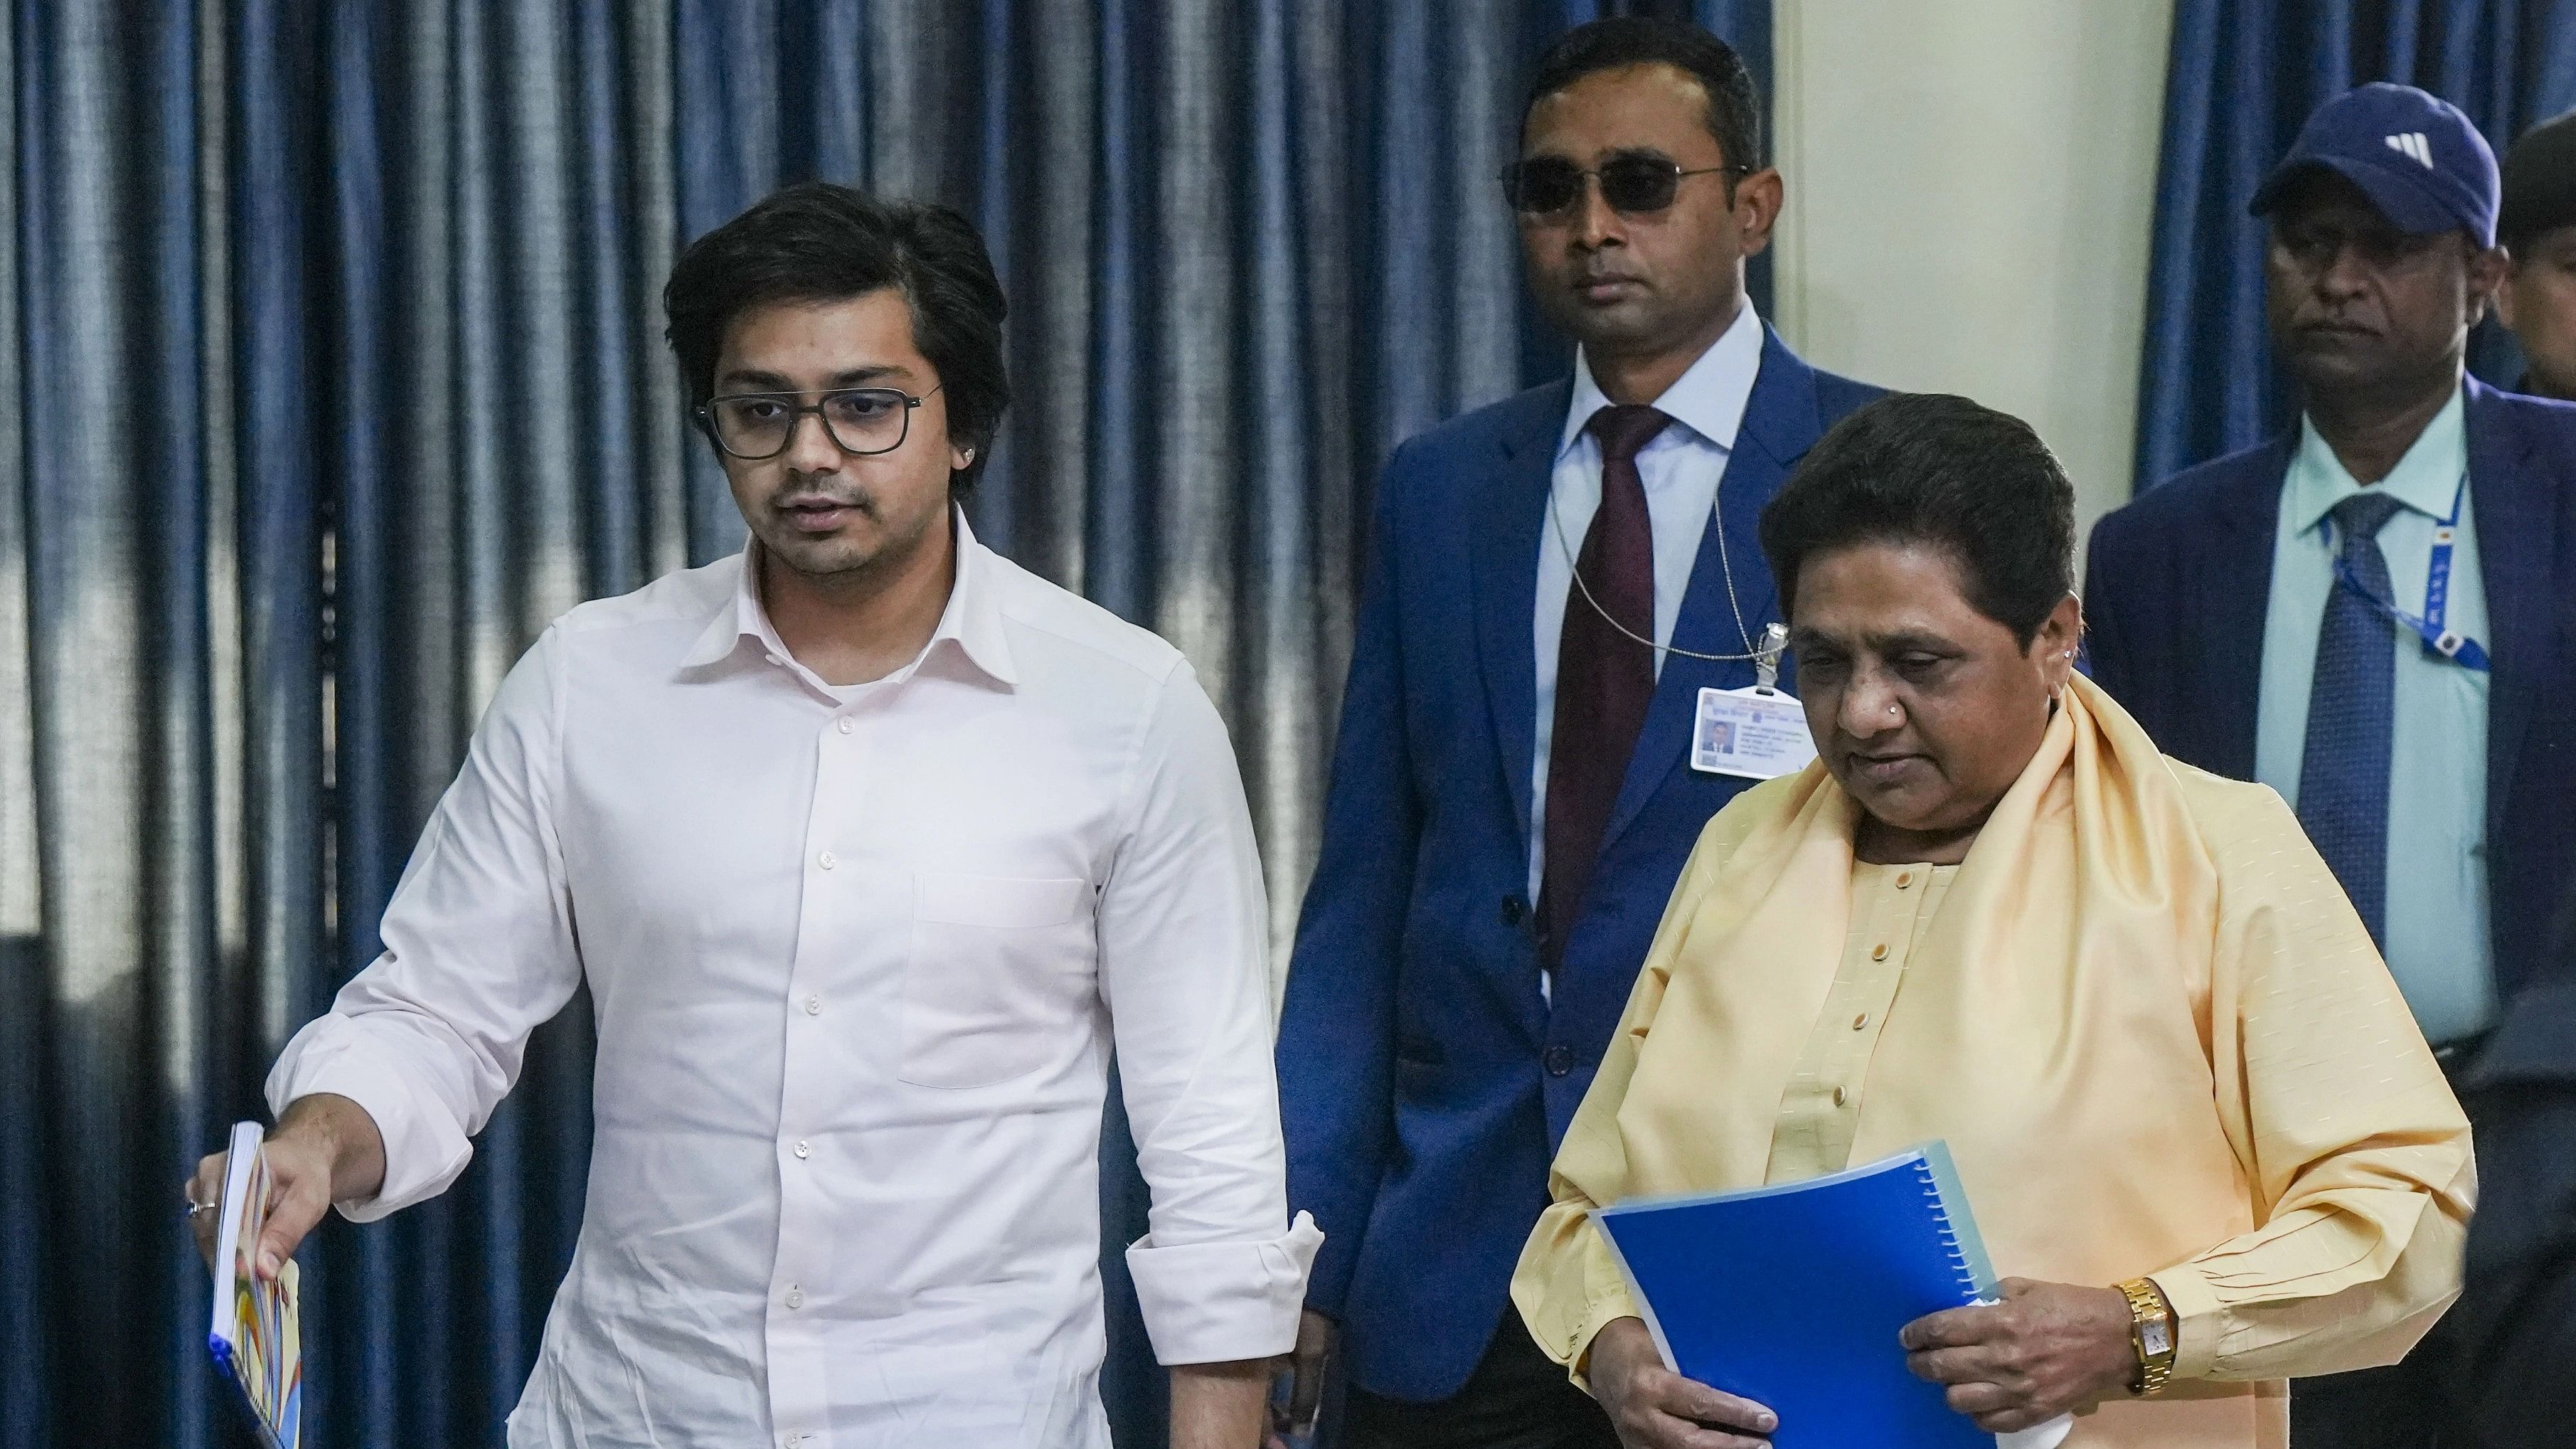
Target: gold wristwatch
[{"x": 2151, "y": 1333}]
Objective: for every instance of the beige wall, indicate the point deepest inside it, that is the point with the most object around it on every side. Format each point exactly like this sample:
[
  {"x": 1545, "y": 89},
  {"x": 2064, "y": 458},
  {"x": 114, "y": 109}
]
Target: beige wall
[{"x": 1970, "y": 188}]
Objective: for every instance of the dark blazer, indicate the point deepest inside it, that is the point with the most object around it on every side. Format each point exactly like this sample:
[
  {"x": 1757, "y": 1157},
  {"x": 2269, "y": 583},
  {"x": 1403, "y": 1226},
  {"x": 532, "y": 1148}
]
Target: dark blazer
[
  {"x": 2176, "y": 585},
  {"x": 1424, "y": 1083},
  {"x": 2511, "y": 1338}
]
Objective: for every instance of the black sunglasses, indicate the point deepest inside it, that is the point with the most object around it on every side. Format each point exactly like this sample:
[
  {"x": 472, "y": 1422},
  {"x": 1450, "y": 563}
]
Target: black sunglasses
[{"x": 1546, "y": 185}]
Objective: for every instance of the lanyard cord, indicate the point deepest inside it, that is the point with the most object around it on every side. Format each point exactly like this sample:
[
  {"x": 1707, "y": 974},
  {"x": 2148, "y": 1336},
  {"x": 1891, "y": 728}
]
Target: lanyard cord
[
  {"x": 2430, "y": 627},
  {"x": 1716, "y": 520}
]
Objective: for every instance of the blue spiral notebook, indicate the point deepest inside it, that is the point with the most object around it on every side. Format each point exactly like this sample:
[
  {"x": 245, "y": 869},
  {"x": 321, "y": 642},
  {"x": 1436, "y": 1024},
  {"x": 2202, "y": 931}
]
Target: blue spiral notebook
[{"x": 1792, "y": 1295}]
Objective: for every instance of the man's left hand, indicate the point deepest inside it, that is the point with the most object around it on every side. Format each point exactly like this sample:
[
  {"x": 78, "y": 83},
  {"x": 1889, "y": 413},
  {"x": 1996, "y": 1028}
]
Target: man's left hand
[{"x": 2045, "y": 1350}]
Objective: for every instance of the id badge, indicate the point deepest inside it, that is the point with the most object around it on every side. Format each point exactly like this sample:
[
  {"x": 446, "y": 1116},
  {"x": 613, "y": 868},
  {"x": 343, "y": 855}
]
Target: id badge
[{"x": 1757, "y": 734}]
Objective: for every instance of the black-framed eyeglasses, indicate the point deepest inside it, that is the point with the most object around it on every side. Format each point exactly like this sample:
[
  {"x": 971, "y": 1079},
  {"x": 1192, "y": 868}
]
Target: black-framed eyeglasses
[
  {"x": 1631, "y": 184},
  {"x": 860, "y": 421}
]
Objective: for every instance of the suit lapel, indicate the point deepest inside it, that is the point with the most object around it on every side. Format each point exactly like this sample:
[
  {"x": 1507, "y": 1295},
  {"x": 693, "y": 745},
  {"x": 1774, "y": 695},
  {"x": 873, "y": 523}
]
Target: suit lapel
[
  {"x": 2233, "y": 592},
  {"x": 1780, "y": 424},
  {"x": 1503, "y": 573},
  {"x": 2512, "y": 496}
]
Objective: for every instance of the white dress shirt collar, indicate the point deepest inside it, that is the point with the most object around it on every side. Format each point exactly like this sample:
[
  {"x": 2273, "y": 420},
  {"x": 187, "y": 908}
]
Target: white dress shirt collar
[
  {"x": 1709, "y": 399},
  {"x": 972, "y": 620}
]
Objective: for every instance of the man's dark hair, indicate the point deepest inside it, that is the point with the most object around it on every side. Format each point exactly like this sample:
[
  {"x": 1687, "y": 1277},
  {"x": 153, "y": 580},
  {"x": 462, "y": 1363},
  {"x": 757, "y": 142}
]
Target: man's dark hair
[
  {"x": 816, "y": 242},
  {"x": 1734, "y": 108},
  {"x": 1936, "y": 471},
  {"x": 2539, "y": 181}
]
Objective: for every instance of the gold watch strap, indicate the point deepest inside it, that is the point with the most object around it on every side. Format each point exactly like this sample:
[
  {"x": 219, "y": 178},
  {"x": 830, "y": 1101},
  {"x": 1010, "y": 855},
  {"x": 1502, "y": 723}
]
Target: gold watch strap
[{"x": 2147, "y": 1305}]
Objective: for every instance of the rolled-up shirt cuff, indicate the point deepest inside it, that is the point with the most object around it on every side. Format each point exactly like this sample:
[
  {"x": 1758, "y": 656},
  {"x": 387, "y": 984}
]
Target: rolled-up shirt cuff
[
  {"x": 424, "y": 1147},
  {"x": 1223, "y": 1302}
]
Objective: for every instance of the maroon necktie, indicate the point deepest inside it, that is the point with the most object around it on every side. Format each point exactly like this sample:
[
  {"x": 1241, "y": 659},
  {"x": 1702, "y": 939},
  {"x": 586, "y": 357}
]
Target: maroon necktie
[{"x": 1604, "y": 678}]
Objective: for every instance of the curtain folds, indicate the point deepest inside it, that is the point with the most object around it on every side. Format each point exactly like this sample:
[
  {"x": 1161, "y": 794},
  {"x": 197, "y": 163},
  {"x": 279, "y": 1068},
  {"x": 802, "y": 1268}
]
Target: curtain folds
[
  {"x": 333, "y": 333},
  {"x": 2243, "y": 76}
]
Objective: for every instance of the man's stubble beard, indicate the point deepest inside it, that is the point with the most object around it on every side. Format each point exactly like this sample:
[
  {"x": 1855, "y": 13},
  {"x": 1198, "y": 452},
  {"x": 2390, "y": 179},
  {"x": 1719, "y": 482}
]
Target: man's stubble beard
[{"x": 851, "y": 568}]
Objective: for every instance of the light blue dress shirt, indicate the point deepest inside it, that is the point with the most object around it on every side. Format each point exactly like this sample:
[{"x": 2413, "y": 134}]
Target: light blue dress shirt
[
  {"x": 2439, "y": 947},
  {"x": 1680, "y": 469}
]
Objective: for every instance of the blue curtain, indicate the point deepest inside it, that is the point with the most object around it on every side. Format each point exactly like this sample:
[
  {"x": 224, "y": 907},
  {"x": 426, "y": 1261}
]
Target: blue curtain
[
  {"x": 2244, "y": 74},
  {"x": 330, "y": 329}
]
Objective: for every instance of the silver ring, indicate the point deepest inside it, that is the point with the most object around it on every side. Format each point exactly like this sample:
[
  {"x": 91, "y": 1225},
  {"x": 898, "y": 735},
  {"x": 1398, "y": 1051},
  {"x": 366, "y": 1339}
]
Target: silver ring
[{"x": 195, "y": 1207}]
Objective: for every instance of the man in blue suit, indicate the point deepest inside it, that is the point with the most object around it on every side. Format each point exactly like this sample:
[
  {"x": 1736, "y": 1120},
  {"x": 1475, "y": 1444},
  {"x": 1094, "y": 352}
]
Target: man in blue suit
[
  {"x": 1510, "y": 799},
  {"x": 2375, "y": 613}
]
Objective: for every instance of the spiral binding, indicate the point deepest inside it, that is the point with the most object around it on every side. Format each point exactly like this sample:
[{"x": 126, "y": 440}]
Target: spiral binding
[{"x": 1958, "y": 1256}]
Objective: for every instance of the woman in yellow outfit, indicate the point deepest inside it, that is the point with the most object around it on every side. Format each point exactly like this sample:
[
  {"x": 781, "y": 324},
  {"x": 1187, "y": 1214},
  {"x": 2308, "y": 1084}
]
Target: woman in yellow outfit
[{"x": 2198, "y": 1127}]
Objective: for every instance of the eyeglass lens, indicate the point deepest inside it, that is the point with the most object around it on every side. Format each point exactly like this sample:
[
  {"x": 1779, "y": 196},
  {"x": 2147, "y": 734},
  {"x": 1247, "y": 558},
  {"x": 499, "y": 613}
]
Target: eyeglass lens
[
  {"x": 860, "y": 420},
  {"x": 1547, "y": 184}
]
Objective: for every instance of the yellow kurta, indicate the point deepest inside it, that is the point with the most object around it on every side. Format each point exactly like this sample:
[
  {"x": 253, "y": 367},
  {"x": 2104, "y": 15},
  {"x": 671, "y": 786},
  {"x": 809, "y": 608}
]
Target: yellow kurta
[{"x": 2153, "y": 1031}]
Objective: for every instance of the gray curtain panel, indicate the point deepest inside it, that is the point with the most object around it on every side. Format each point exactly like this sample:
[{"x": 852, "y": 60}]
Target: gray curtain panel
[{"x": 333, "y": 333}]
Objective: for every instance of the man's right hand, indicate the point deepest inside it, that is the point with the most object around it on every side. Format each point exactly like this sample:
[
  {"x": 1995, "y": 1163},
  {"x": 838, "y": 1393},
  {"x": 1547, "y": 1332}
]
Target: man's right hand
[
  {"x": 1654, "y": 1408},
  {"x": 324, "y": 1149},
  {"x": 1305, "y": 1364}
]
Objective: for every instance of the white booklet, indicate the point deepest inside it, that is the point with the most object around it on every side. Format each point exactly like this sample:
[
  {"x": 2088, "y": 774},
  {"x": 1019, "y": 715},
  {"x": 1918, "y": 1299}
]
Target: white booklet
[{"x": 255, "y": 1336}]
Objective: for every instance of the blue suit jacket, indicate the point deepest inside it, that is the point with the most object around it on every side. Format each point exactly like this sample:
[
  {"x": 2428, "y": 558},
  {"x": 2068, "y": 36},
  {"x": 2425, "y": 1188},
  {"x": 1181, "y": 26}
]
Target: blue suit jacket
[
  {"x": 1424, "y": 1083},
  {"x": 2177, "y": 582}
]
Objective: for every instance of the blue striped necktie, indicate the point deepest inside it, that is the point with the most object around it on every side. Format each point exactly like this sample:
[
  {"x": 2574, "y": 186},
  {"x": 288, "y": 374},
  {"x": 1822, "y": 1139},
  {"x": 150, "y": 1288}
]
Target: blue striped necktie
[{"x": 2343, "y": 774}]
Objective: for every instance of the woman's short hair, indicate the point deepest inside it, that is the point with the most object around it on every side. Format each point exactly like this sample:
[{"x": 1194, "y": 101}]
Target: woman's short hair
[
  {"x": 816, "y": 242},
  {"x": 1937, "y": 471}
]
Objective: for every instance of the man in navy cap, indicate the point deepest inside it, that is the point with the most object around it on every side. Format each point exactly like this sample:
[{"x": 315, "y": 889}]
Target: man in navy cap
[
  {"x": 2537, "y": 225},
  {"x": 2375, "y": 612}
]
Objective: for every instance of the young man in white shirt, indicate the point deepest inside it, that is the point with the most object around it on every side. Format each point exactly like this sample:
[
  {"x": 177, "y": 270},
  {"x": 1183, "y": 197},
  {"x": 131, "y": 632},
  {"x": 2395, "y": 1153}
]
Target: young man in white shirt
[{"x": 870, "y": 846}]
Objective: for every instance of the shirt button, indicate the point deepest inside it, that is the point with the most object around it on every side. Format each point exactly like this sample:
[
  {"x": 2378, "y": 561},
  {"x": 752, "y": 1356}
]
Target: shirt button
[
  {"x": 848, "y": 724},
  {"x": 1876, "y": 953},
  {"x": 1559, "y": 1060},
  {"x": 1860, "y": 1021},
  {"x": 827, "y": 860},
  {"x": 813, "y": 1006},
  {"x": 803, "y": 1149},
  {"x": 1904, "y": 880},
  {"x": 795, "y": 1297},
  {"x": 1514, "y": 911},
  {"x": 1841, "y": 1096}
]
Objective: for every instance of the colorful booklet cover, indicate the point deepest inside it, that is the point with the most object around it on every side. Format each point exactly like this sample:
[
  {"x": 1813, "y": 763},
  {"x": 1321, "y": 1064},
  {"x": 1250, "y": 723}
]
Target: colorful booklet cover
[
  {"x": 1792, "y": 1295},
  {"x": 255, "y": 1336}
]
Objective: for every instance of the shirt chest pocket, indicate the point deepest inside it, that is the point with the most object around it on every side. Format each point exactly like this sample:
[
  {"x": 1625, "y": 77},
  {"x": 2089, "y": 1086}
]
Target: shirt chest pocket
[{"x": 998, "y": 979}]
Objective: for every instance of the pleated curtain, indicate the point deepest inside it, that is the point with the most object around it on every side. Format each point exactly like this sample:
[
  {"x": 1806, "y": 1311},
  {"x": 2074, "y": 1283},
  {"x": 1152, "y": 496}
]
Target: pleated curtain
[
  {"x": 2243, "y": 77},
  {"x": 333, "y": 335}
]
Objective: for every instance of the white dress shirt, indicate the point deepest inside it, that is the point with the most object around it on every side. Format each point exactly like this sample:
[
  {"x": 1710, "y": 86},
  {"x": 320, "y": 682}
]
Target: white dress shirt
[
  {"x": 1680, "y": 469},
  {"x": 858, "y": 963}
]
